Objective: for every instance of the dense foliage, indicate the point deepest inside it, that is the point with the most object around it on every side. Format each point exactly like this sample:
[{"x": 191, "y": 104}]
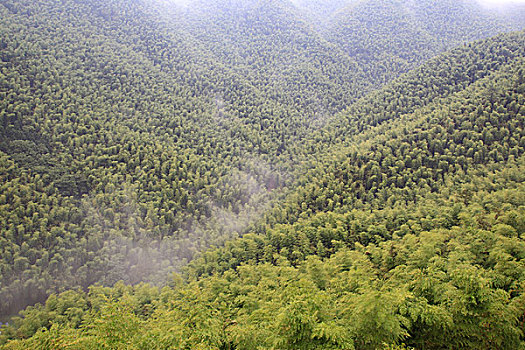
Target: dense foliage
[
  {"x": 432, "y": 152},
  {"x": 135, "y": 134},
  {"x": 441, "y": 266},
  {"x": 423, "y": 27}
]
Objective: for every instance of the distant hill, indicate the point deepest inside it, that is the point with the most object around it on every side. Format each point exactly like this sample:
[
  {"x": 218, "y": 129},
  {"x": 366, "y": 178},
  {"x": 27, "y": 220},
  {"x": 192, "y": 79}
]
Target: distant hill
[{"x": 389, "y": 37}]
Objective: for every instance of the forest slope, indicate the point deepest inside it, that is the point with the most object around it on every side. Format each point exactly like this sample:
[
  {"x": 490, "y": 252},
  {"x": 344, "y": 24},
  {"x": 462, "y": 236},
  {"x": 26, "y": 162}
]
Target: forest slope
[
  {"x": 133, "y": 137},
  {"x": 389, "y": 37},
  {"x": 411, "y": 231},
  {"x": 420, "y": 153}
]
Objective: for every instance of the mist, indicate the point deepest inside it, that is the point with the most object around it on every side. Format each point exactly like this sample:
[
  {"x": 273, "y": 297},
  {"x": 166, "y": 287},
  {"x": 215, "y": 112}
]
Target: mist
[{"x": 500, "y": 3}]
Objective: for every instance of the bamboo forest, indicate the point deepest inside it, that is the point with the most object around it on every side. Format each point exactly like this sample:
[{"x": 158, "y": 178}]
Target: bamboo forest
[{"x": 262, "y": 174}]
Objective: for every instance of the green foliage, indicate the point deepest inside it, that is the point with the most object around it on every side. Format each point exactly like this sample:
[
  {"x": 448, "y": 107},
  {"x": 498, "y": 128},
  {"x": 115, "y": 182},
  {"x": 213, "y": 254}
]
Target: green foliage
[
  {"x": 431, "y": 289},
  {"x": 378, "y": 186},
  {"x": 134, "y": 136},
  {"x": 423, "y": 28}
]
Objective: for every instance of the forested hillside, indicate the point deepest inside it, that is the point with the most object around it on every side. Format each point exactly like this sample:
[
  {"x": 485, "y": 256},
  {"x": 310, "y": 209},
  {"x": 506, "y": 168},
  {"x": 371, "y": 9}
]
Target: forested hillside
[
  {"x": 409, "y": 31},
  {"x": 132, "y": 138},
  {"x": 408, "y": 232},
  {"x": 135, "y": 134}
]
